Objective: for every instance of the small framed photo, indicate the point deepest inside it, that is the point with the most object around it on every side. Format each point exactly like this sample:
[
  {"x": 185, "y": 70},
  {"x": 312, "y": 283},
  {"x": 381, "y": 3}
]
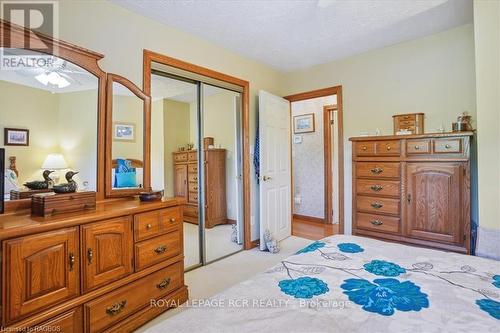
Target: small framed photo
[
  {"x": 124, "y": 132},
  {"x": 16, "y": 137},
  {"x": 303, "y": 123}
]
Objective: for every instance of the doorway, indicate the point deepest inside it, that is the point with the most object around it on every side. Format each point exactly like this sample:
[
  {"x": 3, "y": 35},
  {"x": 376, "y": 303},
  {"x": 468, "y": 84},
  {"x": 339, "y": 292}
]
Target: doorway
[
  {"x": 201, "y": 129},
  {"x": 317, "y": 163}
]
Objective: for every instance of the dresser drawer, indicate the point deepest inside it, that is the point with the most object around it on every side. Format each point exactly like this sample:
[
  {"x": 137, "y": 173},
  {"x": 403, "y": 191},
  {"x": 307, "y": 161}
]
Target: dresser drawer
[
  {"x": 193, "y": 168},
  {"x": 378, "y": 169},
  {"x": 191, "y": 211},
  {"x": 68, "y": 322},
  {"x": 192, "y": 156},
  {"x": 153, "y": 251},
  {"x": 180, "y": 157},
  {"x": 107, "y": 310},
  {"x": 193, "y": 197},
  {"x": 406, "y": 123},
  {"x": 416, "y": 147},
  {"x": 388, "y": 148},
  {"x": 193, "y": 177},
  {"x": 151, "y": 224},
  {"x": 378, "y": 187},
  {"x": 193, "y": 187},
  {"x": 447, "y": 146},
  {"x": 377, "y": 222},
  {"x": 378, "y": 205},
  {"x": 364, "y": 148}
]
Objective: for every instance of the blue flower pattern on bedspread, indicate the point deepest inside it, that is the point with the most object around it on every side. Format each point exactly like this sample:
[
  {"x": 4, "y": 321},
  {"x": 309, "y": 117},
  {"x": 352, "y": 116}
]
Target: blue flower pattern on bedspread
[
  {"x": 384, "y": 296},
  {"x": 311, "y": 247},
  {"x": 496, "y": 281},
  {"x": 490, "y": 306},
  {"x": 350, "y": 248},
  {"x": 384, "y": 268},
  {"x": 303, "y": 287}
]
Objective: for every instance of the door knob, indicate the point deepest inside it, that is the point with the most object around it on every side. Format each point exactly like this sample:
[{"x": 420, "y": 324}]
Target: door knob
[{"x": 266, "y": 178}]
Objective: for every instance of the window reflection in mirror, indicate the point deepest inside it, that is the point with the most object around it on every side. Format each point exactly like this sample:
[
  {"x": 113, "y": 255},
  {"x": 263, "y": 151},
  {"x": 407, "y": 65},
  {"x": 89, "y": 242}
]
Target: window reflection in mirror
[
  {"x": 49, "y": 121},
  {"x": 128, "y": 139}
]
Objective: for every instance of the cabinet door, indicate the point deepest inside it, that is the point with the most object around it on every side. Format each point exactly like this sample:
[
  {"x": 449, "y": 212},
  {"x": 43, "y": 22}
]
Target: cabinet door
[
  {"x": 180, "y": 180},
  {"x": 40, "y": 271},
  {"x": 434, "y": 201},
  {"x": 107, "y": 251}
]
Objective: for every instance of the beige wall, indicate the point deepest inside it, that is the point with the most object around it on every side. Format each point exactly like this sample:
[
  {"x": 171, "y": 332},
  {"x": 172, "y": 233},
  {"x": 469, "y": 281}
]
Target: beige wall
[
  {"x": 176, "y": 128},
  {"x": 157, "y": 146},
  {"x": 39, "y": 110},
  {"x": 434, "y": 75},
  {"x": 58, "y": 123},
  {"x": 487, "y": 42},
  {"x": 78, "y": 135},
  {"x": 122, "y": 35}
]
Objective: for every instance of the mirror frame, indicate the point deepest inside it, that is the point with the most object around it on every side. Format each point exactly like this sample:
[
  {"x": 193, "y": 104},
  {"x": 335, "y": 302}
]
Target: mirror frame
[
  {"x": 15, "y": 36},
  {"x": 110, "y": 192}
]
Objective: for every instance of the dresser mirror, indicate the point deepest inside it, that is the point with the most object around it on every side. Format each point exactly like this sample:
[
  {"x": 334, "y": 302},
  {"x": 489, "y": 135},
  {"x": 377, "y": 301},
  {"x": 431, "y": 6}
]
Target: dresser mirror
[
  {"x": 49, "y": 121},
  {"x": 128, "y": 143}
]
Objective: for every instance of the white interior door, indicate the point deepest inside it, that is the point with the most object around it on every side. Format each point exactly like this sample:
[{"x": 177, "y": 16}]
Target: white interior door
[
  {"x": 239, "y": 172},
  {"x": 275, "y": 169}
]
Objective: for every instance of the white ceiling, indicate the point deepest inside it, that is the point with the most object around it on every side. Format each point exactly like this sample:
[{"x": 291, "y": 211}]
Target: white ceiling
[{"x": 290, "y": 35}]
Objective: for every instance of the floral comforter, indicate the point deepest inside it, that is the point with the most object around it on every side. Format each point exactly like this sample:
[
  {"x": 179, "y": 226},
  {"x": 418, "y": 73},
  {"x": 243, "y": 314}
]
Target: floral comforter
[{"x": 355, "y": 284}]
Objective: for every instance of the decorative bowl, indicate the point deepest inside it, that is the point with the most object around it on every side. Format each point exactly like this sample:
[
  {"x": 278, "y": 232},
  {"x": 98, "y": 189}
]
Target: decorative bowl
[{"x": 151, "y": 196}]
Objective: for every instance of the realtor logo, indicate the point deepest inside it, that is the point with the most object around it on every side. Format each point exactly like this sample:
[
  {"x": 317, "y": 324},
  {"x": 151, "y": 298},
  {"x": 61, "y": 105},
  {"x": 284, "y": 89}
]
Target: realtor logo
[{"x": 41, "y": 17}]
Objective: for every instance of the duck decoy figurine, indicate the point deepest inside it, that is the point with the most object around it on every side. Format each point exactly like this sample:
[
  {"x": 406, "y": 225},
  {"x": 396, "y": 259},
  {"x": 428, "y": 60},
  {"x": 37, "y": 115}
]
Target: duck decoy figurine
[
  {"x": 69, "y": 187},
  {"x": 40, "y": 184}
]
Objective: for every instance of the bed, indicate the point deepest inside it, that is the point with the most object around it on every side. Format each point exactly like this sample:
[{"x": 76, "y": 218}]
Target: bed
[{"x": 354, "y": 284}]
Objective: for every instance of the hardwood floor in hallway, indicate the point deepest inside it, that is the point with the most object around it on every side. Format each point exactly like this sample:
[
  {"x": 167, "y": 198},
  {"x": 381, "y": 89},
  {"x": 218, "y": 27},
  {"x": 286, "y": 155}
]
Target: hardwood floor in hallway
[{"x": 312, "y": 230}]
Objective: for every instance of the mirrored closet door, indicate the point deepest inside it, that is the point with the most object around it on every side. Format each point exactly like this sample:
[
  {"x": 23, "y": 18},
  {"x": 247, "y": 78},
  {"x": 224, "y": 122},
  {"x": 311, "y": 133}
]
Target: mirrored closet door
[{"x": 195, "y": 154}]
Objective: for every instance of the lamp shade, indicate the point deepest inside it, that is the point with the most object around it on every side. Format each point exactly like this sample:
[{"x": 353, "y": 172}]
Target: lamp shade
[{"x": 54, "y": 162}]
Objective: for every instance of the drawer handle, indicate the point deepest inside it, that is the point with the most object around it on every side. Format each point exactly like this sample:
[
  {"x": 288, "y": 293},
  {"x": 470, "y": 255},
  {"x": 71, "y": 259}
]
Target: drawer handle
[
  {"x": 195, "y": 178},
  {"x": 161, "y": 249},
  {"x": 417, "y": 147},
  {"x": 376, "y": 222},
  {"x": 163, "y": 284},
  {"x": 377, "y": 205},
  {"x": 116, "y": 308},
  {"x": 195, "y": 188},
  {"x": 365, "y": 147},
  {"x": 71, "y": 261},
  {"x": 90, "y": 255},
  {"x": 148, "y": 226},
  {"x": 172, "y": 220},
  {"x": 389, "y": 147},
  {"x": 377, "y": 170},
  {"x": 376, "y": 188},
  {"x": 447, "y": 146},
  {"x": 195, "y": 198}
]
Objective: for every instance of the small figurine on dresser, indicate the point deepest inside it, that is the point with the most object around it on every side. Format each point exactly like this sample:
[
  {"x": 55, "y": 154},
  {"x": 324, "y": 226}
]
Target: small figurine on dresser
[
  {"x": 70, "y": 187},
  {"x": 40, "y": 184}
]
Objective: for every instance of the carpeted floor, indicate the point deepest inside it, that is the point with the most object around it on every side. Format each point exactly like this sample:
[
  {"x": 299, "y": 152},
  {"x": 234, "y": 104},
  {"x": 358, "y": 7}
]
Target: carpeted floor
[
  {"x": 209, "y": 280},
  {"x": 218, "y": 241}
]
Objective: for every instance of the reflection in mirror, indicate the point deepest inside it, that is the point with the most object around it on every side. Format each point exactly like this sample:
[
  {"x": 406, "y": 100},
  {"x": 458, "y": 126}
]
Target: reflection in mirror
[
  {"x": 174, "y": 137},
  {"x": 49, "y": 119},
  {"x": 127, "y": 139}
]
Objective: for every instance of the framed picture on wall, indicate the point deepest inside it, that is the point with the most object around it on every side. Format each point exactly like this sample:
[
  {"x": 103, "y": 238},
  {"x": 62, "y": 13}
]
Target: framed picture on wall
[
  {"x": 303, "y": 123},
  {"x": 16, "y": 137},
  {"x": 124, "y": 132}
]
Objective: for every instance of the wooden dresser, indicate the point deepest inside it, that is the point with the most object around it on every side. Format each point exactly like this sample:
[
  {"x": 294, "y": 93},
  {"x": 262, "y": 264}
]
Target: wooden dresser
[
  {"x": 413, "y": 189},
  {"x": 93, "y": 271},
  {"x": 186, "y": 185}
]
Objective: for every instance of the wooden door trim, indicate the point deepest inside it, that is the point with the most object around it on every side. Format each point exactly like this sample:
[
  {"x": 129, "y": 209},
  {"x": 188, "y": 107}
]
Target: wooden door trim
[
  {"x": 336, "y": 90},
  {"x": 149, "y": 57}
]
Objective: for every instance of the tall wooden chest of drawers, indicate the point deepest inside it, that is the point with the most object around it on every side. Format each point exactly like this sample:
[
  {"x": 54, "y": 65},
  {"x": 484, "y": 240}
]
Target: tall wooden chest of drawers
[
  {"x": 186, "y": 185},
  {"x": 413, "y": 189}
]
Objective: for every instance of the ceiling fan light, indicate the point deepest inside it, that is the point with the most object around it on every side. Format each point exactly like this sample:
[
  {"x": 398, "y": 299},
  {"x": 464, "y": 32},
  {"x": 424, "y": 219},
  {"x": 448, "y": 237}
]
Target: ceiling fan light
[{"x": 43, "y": 78}]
